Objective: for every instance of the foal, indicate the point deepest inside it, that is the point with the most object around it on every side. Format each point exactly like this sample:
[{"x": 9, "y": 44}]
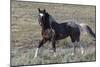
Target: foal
[{"x": 53, "y": 31}]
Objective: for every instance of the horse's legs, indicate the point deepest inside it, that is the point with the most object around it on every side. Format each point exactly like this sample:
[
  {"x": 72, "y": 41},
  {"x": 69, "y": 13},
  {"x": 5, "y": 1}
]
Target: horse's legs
[
  {"x": 81, "y": 47},
  {"x": 82, "y": 50},
  {"x": 75, "y": 41},
  {"x": 74, "y": 48},
  {"x": 54, "y": 47},
  {"x": 73, "y": 44},
  {"x": 40, "y": 44}
]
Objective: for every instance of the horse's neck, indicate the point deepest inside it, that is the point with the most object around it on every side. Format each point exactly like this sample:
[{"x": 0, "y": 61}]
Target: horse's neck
[
  {"x": 50, "y": 23},
  {"x": 45, "y": 26},
  {"x": 52, "y": 20}
]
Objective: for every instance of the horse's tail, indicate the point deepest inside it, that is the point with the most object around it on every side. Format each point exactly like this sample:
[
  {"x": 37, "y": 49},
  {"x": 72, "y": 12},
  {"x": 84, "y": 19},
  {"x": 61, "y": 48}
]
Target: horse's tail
[
  {"x": 86, "y": 28},
  {"x": 90, "y": 31}
]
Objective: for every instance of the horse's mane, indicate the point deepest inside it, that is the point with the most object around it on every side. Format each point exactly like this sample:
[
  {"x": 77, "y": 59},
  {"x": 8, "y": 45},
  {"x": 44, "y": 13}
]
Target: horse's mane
[{"x": 52, "y": 19}]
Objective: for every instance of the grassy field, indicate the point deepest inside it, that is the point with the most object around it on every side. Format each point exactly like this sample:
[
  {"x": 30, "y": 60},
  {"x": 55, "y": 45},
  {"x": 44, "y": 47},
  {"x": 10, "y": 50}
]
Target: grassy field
[{"x": 25, "y": 33}]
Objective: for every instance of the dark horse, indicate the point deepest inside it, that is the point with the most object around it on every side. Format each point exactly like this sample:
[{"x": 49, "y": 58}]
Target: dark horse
[{"x": 53, "y": 31}]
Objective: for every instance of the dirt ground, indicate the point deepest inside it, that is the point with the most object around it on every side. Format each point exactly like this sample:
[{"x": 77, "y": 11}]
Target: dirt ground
[{"x": 26, "y": 33}]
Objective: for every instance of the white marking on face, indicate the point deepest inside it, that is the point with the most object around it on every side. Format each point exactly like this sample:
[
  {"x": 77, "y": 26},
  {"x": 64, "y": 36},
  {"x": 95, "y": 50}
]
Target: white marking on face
[{"x": 41, "y": 14}]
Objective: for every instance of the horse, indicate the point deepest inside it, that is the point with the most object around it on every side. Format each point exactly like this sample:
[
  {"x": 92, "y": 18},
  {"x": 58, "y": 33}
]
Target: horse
[{"x": 53, "y": 31}]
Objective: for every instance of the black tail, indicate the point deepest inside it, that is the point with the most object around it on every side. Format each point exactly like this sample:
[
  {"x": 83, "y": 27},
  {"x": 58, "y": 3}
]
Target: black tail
[{"x": 90, "y": 31}]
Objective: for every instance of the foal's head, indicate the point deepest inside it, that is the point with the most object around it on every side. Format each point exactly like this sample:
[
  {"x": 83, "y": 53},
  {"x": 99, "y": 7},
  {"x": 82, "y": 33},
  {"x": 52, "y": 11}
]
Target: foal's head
[{"x": 43, "y": 17}]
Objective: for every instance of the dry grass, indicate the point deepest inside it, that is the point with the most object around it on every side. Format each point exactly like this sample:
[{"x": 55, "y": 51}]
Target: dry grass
[{"x": 25, "y": 33}]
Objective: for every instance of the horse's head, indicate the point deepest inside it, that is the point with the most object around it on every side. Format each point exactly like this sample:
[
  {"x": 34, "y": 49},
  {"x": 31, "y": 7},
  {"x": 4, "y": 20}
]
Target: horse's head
[{"x": 43, "y": 16}]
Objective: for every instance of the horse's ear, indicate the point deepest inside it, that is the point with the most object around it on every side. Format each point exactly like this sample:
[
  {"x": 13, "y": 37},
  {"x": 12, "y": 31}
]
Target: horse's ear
[
  {"x": 44, "y": 10},
  {"x": 39, "y": 9}
]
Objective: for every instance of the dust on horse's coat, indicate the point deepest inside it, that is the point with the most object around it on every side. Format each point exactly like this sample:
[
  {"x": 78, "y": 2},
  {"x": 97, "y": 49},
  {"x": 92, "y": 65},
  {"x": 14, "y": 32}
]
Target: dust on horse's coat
[{"x": 53, "y": 31}]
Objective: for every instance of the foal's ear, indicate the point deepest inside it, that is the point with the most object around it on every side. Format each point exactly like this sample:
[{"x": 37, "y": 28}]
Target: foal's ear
[{"x": 39, "y": 9}]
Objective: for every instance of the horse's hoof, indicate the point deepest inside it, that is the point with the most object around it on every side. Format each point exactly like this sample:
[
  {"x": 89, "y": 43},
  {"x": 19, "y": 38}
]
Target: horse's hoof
[
  {"x": 82, "y": 52},
  {"x": 35, "y": 56},
  {"x": 54, "y": 55},
  {"x": 73, "y": 54}
]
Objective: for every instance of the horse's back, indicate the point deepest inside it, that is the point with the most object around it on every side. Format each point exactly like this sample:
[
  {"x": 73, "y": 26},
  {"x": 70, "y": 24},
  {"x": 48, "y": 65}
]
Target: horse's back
[
  {"x": 74, "y": 28},
  {"x": 67, "y": 27},
  {"x": 62, "y": 28}
]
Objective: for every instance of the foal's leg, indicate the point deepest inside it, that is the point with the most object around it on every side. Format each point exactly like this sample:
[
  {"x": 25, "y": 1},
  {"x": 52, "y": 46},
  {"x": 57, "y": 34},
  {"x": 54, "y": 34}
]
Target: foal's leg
[{"x": 40, "y": 44}]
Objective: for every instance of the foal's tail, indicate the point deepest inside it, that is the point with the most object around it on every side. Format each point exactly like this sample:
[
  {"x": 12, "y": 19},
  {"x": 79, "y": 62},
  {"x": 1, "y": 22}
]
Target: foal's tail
[{"x": 86, "y": 28}]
